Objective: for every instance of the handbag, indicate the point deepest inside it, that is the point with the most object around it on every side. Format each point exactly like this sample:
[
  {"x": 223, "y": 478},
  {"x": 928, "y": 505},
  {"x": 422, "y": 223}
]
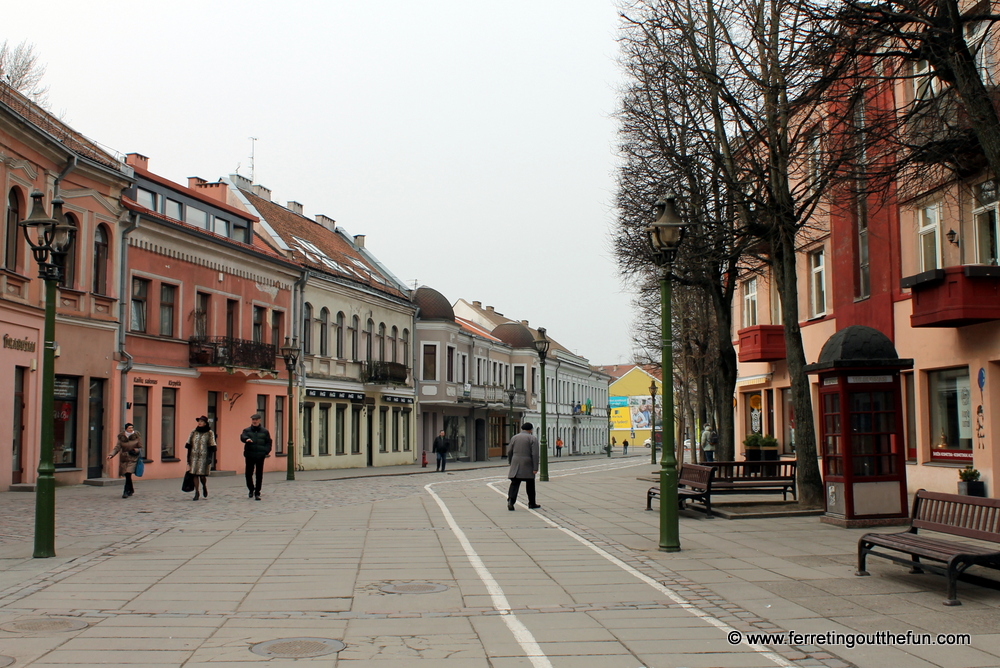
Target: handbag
[
  {"x": 188, "y": 484},
  {"x": 139, "y": 467}
]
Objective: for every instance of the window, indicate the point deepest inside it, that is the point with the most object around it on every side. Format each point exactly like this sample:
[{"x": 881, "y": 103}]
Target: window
[
  {"x": 862, "y": 287},
  {"x": 68, "y": 260},
  {"x": 450, "y": 359},
  {"x": 239, "y": 230},
  {"x": 338, "y": 429},
  {"x": 395, "y": 430},
  {"x": 381, "y": 341},
  {"x": 833, "y": 456},
  {"x": 173, "y": 209},
  {"x": 909, "y": 397},
  {"x": 519, "y": 377},
  {"x": 817, "y": 284},
  {"x": 277, "y": 320},
  {"x": 405, "y": 437},
  {"x": 221, "y": 227},
  {"x": 262, "y": 409},
  {"x": 925, "y": 83},
  {"x": 430, "y": 362},
  {"x": 394, "y": 344},
  {"x": 259, "y": 315},
  {"x": 981, "y": 48},
  {"x": 928, "y": 218},
  {"x": 355, "y": 430},
  {"x": 279, "y": 425},
  {"x": 985, "y": 217},
  {"x": 64, "y": 422},
  {"x": 140, "y": 287},
  {"x": 102, "y": 243},
  {"x": 339, "y": 335},
  {"x": 750, "y": 302},
  {"x": 197, "y": 217},
  {"x": 12, "y": 234},
  {"x": 168, "y": 297},
  {"x": 950, "y": 415},
  {"x": 355, "y": 326},
  {"x": 873, "y": 426},
  {"x": 369, "y": 331},
  {"x": 324, "y": 429},
  {"x": 406, "y": 347},
  {"x": 146, "y": 198},
  {"x": 168, "y": 423},
  {"x": 201, "y": 314},
  {"x": 788, "y": 444},
  {"x": 307, "y": 430},
  {"x": 232, "y": 318},
  {"x": 307, "y": 325},
  {"x": 383, "y": 419},
  {"x": 324, "y": 333},
  {"x": 777, "y": 318},
  {"x": 140, "y": 410}
]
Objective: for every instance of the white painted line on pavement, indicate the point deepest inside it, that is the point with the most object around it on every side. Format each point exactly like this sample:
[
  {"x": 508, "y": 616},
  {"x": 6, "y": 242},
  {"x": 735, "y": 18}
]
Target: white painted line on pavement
[
  {"x": 666, "y": 591},
  {"x": 521, "y": 633}
]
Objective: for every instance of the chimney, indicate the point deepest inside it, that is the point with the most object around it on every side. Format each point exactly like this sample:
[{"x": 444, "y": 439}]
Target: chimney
[
  {"x": 327, "y": 222},
  {"x": 218, "y": 191},
  {"x": 524, "y": 322},
  {"x": 261, "y": 192},
  {"x": 490, "y": 309},
  {"x": 359, "y": 240},
  {"x": 478, "y": 305},
  {"x": 294, "y": 207},
  {"x": 195, "y": 181},
  {"x": 137, "y": 160},
  {"x": 241, "y": 182}
]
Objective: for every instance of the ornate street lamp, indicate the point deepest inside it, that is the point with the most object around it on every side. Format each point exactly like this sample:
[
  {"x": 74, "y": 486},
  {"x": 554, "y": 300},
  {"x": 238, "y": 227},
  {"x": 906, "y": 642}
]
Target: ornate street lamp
[
  {"x": 511, "y": 393},
  {"x": 652, "y": 420},
  {"x": 542, "y": 346},
  {"x": 607, "y": 442},
  {"x": 290, "y": 351},
  {"x": 49, "y": 239},
  {"x": 665, "y": 237}
]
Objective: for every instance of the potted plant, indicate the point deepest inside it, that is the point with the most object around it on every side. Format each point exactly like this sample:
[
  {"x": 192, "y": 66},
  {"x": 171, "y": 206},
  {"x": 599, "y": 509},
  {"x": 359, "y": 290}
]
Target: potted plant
[
  {"x": 751, "y": 447},
  {"x": 969, "y": 482}
]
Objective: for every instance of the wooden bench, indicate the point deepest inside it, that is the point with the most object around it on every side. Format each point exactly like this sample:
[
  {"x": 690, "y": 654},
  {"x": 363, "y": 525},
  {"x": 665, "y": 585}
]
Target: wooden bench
[
  {"x": 767, "y": 476},
  {"x": 952, "y": 514},
  {"x": 694, "y": 483}
]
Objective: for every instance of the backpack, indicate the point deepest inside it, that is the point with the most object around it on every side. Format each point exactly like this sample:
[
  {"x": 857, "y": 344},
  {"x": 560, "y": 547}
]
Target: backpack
[{"x": 713, "y": 438}]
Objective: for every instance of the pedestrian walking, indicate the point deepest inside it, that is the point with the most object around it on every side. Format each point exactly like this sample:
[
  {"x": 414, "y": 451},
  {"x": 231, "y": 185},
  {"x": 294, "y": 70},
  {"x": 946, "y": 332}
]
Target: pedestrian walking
[
  {"x": 256, "y": 447},
  {"x": 523, "y": 455},
  {"x": 129, "y": 449},
  {"x": 441, "y": 448},
  {"x": 625, "y": 447},
  {"x": 709, "y": 439},
  {"x": 201, "y": 451},
  {"x": 559, "y": 445}
]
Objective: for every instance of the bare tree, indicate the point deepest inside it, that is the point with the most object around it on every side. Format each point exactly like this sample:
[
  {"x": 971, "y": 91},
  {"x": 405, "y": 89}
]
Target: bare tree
[{"x": 21, "y": 69}]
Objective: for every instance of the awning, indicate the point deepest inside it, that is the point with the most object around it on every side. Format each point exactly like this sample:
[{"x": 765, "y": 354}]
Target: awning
[{"x": 759, "y": 379}]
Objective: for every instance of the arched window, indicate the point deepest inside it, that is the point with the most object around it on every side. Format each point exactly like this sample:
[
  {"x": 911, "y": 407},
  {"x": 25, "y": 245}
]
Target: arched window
[
  {"x": 307, "y": 325},
  {"x": 340, "y": 335},
  {"x": 69, "y": 260},
  {"x": 12, "y": 235},
  {"x": 102, "y": 244},
  {"x": 369, "y": 331},
  {"x": 355, "y": 326},
  {"x": 381, "y": 341},
  {"x": 324, "y": 333},
  {"x": 393, "y": 343},
  {"x": 406, "y": 347}
]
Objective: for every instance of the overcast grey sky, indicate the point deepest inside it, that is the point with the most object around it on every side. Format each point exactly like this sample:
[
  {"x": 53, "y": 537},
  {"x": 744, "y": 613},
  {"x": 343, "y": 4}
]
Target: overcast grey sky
[{"x": 472, "y": 142}]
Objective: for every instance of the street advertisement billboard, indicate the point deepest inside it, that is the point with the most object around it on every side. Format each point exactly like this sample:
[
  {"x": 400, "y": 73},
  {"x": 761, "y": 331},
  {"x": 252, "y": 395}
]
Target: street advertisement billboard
[{"x": 634, "y": 412}]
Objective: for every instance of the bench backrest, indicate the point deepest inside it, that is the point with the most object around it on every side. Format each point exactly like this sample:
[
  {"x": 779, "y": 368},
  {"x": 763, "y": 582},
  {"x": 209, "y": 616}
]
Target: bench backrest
[
  {"x": 968, "y": 516},
  {"x": 696, "y": 476},
  {"x": 769, "y": 470}
]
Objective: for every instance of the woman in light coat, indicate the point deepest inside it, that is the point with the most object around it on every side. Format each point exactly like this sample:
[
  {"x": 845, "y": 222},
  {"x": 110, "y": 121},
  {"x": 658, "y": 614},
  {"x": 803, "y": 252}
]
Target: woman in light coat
[
  {"x": 201, "y": 451},
  {"x": 523, "y": 454},
  {"x": 128, "y": 448}
]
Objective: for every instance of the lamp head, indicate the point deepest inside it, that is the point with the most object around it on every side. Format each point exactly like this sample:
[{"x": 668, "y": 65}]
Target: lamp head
[
  {"x": 38, "y": 227},
  {"x": 665, "y": 232},
  {"x": 542, "y": 343},
  {"x": 290, "y": 351},
  {"x": 63, "y": 232}
]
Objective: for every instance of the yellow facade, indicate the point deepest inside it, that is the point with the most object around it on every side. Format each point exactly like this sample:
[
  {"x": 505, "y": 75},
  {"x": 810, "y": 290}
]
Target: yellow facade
[{"x": 628, "y": 421}]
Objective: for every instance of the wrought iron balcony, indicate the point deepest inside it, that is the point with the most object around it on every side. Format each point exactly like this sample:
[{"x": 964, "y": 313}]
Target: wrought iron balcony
[
  {"x": 384, "y": 373},
  {"x": 492, "y": 394},
  {"x": 230, "y": 352}
]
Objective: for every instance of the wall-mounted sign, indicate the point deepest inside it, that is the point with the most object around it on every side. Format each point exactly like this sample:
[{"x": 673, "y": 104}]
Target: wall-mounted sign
[
  {"x": 389, "y": 399},
  {"x": 869, "y": 379},
  {"x": 24, "y": 345},
  {"x": 335, "y": 394},
  {"x": 145, "y": 381}
]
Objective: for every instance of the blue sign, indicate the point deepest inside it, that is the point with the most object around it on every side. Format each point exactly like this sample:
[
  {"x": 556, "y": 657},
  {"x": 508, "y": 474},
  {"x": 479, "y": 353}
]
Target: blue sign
[{"x": 982, "y": 378}]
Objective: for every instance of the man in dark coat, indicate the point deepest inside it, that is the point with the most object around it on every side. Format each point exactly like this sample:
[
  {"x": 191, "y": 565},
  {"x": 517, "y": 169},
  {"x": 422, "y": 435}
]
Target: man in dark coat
[
  {"x": 441, "y": 448},
  {"x": 523, "y": 455},
  {"x": 256, "y": 446}
]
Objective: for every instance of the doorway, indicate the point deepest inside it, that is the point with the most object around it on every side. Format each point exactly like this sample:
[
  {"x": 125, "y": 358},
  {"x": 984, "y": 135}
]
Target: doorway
[
  {"x": 212, "y": 413},
  {"x": 17, "y": 429},
  {"x": 369, "y": 435},
  {"x": 95, "y": 429}
]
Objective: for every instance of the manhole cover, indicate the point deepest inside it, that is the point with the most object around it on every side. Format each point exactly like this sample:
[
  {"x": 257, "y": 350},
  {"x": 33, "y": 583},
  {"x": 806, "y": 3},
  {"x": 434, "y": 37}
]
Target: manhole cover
[
  {"x": 414, "y": 588},
  {"x": 44, "y": 625},
  {"x": 297, "y": 648},
  {"x": 5, "y": 661}
]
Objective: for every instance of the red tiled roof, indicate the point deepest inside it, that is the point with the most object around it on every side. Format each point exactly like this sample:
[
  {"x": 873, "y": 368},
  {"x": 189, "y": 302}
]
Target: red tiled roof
[
  {"x": 616, "y": 371},
  {"x": 342, "y": 259},
  {"x": 472, "y": 327}
]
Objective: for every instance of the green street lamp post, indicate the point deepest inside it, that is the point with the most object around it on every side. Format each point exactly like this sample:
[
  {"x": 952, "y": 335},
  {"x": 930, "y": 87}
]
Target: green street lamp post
[
  {"x": 511, "y": 393},
  {"x": 290, "y": 352},
  {"x": 665, "y": 237},
  {"x": 542, "y": 346},
  {"x": 652, "y": 420},
  {"x": 607, "y": 445},
  {"x": 49, "y": 239}
]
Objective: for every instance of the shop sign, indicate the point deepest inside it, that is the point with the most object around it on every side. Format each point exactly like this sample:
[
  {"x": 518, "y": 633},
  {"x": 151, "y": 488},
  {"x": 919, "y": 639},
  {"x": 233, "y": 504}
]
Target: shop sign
[
  {"x": 145, "y": 381},
  {"x": 335, "y": 394},
  {"x": 24, "y": 345},
  {"x": 869, "y": 379},
  {"x": 959, "y": 455},
  {"x": 389, "y": 399}
]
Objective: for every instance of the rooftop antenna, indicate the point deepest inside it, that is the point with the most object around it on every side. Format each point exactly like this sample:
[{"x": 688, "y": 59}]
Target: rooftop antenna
[
  {"x": 253, "y": 148},
  {"x": 416, "y": 282}
]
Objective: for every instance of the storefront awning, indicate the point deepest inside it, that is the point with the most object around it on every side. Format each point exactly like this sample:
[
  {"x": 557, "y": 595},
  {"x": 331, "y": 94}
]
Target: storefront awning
[{"x": 759, "y": 379}]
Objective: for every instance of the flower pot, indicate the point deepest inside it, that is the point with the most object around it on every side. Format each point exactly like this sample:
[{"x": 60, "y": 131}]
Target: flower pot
[{"x": 972, "y": 488}]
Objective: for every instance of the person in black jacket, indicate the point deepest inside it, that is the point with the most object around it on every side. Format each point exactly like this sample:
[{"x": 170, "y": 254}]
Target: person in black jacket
[
  {"x": 256, "y": 446},
  {"x": 441, "y": 448}
]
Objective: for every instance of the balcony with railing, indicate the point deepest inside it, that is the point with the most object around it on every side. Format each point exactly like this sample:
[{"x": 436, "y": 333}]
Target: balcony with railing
[
  {"x": 954, "y": 296},
  {"x": 384, "y": 373},
  {"x": 225, "y": 351},
  {"x": 492, "y": 394}
]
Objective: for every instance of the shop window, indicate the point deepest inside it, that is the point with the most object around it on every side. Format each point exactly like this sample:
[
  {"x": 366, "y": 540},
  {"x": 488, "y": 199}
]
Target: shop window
[
  {"x": 909, "y": 396},
  {"x": 788, "y": 440},
  {"x": 338, "y": 428},
  {"x": 950, "y": 411},
  {"x": 383, "y": 419},
  {"x": 279, "y": 425},
  {"x": 140, "y": 410},
  {"x": 355, "y": 430},
  {"x": 64, "y": 422},
  {"x": 307, "y": 430},
  {"x": 323, "y": 435},
  {"x": 168, "y": 427},
  {"x": 395, "y": 430},
  {"x": 405, "y": 436}
]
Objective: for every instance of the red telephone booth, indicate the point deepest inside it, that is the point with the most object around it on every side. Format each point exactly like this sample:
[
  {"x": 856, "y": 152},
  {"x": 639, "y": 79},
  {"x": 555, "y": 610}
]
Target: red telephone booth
[{"x": 861, "y": 428}]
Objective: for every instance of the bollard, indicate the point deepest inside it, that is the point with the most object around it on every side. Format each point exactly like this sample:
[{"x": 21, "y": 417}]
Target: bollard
[{"x": 423, "y": 459}]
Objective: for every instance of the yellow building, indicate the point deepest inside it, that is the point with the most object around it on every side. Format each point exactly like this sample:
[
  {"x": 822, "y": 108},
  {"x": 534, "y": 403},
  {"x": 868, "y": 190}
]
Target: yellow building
[{"x": 631, "y": 402}]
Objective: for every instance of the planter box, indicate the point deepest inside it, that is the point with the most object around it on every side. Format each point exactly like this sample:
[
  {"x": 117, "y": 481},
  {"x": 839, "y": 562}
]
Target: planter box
[{"x": 974, "y": 488}]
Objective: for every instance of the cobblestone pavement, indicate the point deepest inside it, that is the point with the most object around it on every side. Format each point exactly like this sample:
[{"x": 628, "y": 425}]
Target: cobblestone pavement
[{"x": 161, "y": 580}]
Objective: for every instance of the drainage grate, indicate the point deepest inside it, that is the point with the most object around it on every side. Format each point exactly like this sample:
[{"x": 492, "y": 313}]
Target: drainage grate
[
  {"x": 44, "y": 625},
  {"x": 414, "y": 588},
  {"x": 297, "y": 648}
]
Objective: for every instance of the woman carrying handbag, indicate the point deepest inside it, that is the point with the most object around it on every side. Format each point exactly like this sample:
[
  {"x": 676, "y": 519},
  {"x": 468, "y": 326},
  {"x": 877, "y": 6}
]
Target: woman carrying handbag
[
  {"x": 201, "y": 451},
  {"x": 128, "y": 449}
]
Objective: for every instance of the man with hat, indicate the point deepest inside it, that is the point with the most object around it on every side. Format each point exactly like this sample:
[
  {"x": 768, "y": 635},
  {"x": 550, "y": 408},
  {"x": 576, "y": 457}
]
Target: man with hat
[
  {"x": 523, "y": 455},
  {"x": 256, "y": 446}
]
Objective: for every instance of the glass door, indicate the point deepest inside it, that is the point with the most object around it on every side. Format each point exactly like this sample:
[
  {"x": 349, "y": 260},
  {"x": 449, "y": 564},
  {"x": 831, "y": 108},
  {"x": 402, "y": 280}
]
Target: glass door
[{"x": 95, "y": 429}]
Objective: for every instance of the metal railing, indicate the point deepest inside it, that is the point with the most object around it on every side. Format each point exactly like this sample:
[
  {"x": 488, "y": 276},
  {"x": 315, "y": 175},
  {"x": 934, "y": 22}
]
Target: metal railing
[
  {"x": 227, "y": 351},
  {"x": 493, "y": 394},
  {"x": 384, "y": 373}
]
